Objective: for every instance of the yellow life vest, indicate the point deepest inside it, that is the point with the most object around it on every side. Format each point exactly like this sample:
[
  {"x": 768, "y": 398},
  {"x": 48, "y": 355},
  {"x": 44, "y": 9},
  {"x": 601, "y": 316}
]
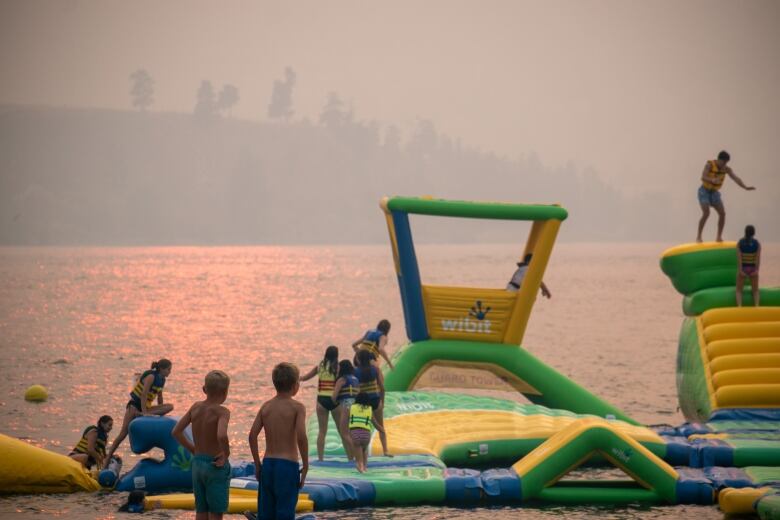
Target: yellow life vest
[
  {"x": 327, "y": 381},
  {"x": 360, "y": 417},
  {"x": 715, "y": 177},
  {"x": 100, "y": 441},
  {"x": 157, "y": 386}
]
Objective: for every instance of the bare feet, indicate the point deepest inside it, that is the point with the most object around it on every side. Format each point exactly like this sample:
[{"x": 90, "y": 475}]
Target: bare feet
[
  {"x": 719, "y": 239},
  {"x": 698, "y": 240}
]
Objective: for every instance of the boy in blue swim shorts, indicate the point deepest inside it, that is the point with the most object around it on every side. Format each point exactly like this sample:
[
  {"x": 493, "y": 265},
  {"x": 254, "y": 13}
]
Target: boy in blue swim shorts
[
  {"x": 209, "y": 446},
  {"x": 284, "y": 421}
]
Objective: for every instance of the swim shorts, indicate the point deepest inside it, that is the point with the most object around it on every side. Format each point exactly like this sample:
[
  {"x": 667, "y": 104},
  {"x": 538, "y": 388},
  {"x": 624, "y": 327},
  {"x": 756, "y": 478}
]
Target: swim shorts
[
  {"x": 709, "y": 197},
  {"x": 360, "y": 436},
  {"x": 278, "y": 495},
  {"x": 326, "y": 402},
  {"x": 749, "y": 270},
  {"x": 210, "y": 484}
]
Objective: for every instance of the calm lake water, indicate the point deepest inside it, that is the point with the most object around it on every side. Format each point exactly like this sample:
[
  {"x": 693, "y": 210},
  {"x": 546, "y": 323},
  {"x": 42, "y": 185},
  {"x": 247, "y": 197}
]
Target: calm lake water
[{"x": 84, "y": 321}]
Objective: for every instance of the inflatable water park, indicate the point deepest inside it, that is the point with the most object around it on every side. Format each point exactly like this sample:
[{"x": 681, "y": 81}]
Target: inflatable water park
[{"x": 455, "y": 448}]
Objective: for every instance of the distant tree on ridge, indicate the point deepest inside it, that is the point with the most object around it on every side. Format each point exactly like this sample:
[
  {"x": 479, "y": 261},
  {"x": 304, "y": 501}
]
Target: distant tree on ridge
[
  {"x": 280, "y": 106},
  {"x": 142, "y": 89},
  {"x": 228, "y": 97},
  {"x": 206, "y": 104}
]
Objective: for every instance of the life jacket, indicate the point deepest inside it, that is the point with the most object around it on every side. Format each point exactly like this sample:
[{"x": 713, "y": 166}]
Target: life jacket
[
  {"x": 370, "y": 387},
  {"x": 715, "y": 176},
  {"x": 350, "y": 388},
  {"x": 748, "y": 250},
  {"x": 360, "y": 417},
  {"x": 156, "y": 388},
  {"x": 370, "y": 342},
  {"x": 100, "y": 441},
  {"x": 327, "y": 381}
]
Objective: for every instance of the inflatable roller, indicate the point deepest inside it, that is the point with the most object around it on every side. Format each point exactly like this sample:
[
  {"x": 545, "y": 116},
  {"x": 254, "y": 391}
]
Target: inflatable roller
[
  {"x": 752, "y": 361},
  {"x": 747, "y": 396},
  {"x": 754, "y": 329},
  {"x": 740, "y": 315},
  {"x": 746, "y": 376},
  {"x": 715, "y": 297},
  {"x": 740, "y": 501},
  {"x": 693, "y": 267},
  {"x": 727, "y": 347},
  {"x": 240, "y": 500}
]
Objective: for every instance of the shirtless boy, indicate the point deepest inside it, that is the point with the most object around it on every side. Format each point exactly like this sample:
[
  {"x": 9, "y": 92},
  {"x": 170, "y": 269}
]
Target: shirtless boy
[
  {"x": 284, "y": 420},
  {"x": 210, "y": 447}
]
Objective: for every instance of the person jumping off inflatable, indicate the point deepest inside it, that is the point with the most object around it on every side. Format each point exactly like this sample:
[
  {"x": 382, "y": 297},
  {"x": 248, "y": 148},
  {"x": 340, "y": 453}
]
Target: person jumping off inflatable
[
  {"x": 149, "y": 386},
  {"x": 712, "y": 178},
  {"x": 91, "y": 448},
  {"x": 374, "y": 341},
  {"x": 748, "y": 259}
]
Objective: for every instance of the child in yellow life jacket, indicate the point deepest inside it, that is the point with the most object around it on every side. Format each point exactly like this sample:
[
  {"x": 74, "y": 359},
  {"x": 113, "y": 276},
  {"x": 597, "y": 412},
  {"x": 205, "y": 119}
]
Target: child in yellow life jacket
[
  {"x": 344, "y": 393},
  {"x": 327, "y": 370},
  {"x": 360, "y": 421},
  {"x": 91, "y": 448}
]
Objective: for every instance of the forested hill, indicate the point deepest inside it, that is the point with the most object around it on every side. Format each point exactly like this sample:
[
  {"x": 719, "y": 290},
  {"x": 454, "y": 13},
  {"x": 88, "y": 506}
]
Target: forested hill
[{"x": 102, "y": 177}]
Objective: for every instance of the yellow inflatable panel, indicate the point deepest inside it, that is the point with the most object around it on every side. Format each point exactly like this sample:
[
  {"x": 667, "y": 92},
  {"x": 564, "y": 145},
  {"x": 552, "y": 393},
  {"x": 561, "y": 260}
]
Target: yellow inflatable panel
[
  {"x": 746, "y": 376},
  {"x": 240, "y": 500},
  {"x": 753, "y": 329},
  {"x": 740, "y": 500},
  {"x": 740, "y": 314},
  {"x": 727, "y": 347},
  {"x": 429, "y": 433},
  {"x": 28, "y": 469},
  {"x": 738, "y": 361},
  {"x": 695, "y": 247},
  {"x": 748, "y": 396},
  {"x": 467, "y": 314}
]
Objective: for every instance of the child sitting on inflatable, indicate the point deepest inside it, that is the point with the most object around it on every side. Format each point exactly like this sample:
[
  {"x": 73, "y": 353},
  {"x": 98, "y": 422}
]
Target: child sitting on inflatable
[
  {"x": 149, "y": 386},
  {"x": 91, "y": 448},
  {"x": 374, "y": 341}
]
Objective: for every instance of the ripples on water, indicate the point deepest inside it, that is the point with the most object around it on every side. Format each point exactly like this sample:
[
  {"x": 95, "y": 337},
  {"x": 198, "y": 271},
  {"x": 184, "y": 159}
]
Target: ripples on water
[{"x": 84, "y": 322}]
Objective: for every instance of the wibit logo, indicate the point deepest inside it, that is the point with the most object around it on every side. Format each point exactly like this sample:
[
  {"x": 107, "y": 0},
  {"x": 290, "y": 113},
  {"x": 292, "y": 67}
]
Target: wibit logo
[
  {"x": 478, "y": 324},
  {"x": 622, "y": 455}
]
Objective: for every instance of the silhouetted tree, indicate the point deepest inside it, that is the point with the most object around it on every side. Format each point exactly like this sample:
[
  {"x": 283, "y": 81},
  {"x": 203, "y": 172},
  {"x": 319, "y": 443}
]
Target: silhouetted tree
[
  {"x": 334, "y": 113},
  {"x": 392, "y": 139},
  {"x": 206, "y": 105},
  {"x": 424, "y": 140},
  {"x": 142, "y": 90},
  {"x": 281, "y": 97},
  {"x": 228, "y": 97}
]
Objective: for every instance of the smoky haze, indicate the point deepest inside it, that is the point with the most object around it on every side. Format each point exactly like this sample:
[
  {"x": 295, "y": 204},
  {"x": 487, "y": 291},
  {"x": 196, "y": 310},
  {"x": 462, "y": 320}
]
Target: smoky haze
[{"x": 285, "y": 122}]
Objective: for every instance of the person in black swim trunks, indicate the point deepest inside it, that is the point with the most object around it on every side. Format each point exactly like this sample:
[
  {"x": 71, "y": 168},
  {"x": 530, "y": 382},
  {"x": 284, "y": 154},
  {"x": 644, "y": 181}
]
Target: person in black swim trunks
[
  {"x": 91, "y": 448},
  {"x": 149, "y": 386},
  {"x": 327, "y": 370}
]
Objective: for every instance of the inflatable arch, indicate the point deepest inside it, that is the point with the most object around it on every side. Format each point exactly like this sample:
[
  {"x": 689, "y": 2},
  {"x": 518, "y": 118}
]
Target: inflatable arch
[{"x": 462, "y": 331}]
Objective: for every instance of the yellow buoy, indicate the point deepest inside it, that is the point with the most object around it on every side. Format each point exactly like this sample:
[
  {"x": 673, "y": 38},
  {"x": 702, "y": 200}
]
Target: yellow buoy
[{"x": 36, "y": 393}]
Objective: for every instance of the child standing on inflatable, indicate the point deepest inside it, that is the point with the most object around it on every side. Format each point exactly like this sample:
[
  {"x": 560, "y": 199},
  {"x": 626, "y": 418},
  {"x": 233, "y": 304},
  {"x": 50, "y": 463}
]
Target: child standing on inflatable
[
  {"x": 347, "y": 387},
  {"x": 284, "y": 420},
  {"x": 712, "y": 178},
  {"x": 210, "y": 447},
  {"x": 91, "y": 448},
  {"x": 372, "y": 383},
  {"x": 327, "y": 371},
  {"x": 149, "y": 386},
  {"x": 748, "y": 261},
  {"x": 374, "y": 341},
  {"x": 360, "y": 420}
]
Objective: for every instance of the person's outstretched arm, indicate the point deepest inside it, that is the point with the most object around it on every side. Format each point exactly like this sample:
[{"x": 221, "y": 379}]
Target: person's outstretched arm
[
  {"x": 383, "y": 352},
  {"x": 337, "y": 388},
  {"x": 545, "y": 291},
  {"x": 311, "y": 373},
  {"x": 303, "y": 442},
  {"x": 178, "y": 431},
  {"x": 257, "y": 427},
  {"x": 733, "y": 175}
]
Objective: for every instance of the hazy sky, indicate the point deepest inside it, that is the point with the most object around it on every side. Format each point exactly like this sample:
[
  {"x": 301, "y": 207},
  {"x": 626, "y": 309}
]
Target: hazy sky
[{"x": 644, "y": 92}]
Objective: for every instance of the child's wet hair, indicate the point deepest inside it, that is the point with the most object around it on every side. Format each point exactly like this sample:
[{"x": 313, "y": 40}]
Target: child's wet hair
[
  {"x": 217, "y": 382},
  {"x": 364, "y": 358},
  {"x": 383, "y": 326},
  {"x": 104, "y": 419},
  {"x": 724, "y": 156},
  {"x": 284, "y": 377},
  {"x": 331, "y": 359},
  {"x": 345, "y": 368},
  {"x": 161, "y": 364},
  {"x": 750, "y": 231},
  {"x": 363, "y": 398}
]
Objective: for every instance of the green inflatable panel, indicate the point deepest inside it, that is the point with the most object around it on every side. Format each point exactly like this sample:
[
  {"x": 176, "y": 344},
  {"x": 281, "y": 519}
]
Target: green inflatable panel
[
  {"x": 697, "y": 270},
  {"x": 715, "y": 297},
  {"x": 539, "y": 383},
  {"x": 691, "y": 381},
  {"x": 768, "y": 507}
]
